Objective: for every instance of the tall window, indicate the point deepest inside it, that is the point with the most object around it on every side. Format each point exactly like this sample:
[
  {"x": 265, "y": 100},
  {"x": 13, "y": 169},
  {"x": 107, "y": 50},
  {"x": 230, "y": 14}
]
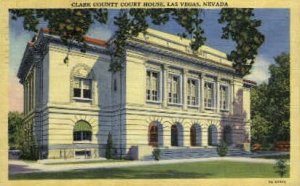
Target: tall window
[
  {"x": 174, "y": 88},
  {"x": 152, "y": 85},
  {"x": 82, "y": 88},
  {"x": 192, "y": 93},
  {"x": 224, "y": 93},
  {"x": 209, "y": 95}
]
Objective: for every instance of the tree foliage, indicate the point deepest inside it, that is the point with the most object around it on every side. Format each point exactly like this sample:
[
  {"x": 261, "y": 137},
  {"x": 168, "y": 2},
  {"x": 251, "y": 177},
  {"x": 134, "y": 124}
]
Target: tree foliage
[
  {"x": 281, "y": 167},
  {"x": 72, "y": 24},
  {"x": 14, "y": 129},
  {"x": 242, "y": 29},
  {"x": 109, "y": 147},
  {"x": 270, "y": 104}
]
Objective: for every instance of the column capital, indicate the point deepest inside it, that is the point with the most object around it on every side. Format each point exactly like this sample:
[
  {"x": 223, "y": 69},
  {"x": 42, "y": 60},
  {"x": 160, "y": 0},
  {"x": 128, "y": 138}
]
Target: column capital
[{"x": 165, "y": 66}]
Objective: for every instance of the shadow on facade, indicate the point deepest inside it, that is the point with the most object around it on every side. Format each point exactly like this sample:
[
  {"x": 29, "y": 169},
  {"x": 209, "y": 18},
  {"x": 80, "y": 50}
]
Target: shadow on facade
[{"x": 234, "y": 124}]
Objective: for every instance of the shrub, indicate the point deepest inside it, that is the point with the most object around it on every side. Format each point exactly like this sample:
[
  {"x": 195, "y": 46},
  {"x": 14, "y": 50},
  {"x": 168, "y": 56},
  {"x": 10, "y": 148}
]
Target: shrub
[
  {"x": 281, "y": 167},
  {"x": 156, "y": 154},
  {"x": 109, "y": 147},
  {"x": 222, "y": 149}
]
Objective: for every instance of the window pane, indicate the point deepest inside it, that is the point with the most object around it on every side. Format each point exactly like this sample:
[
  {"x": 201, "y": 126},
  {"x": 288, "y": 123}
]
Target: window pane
[
  {"x": 224, "y": 97},
  {"x": 86, "y": 93},
  {"x": 77, "y": 92},
  {"x": 208, "y": 95},
  {"x": 152, "y": 86}
]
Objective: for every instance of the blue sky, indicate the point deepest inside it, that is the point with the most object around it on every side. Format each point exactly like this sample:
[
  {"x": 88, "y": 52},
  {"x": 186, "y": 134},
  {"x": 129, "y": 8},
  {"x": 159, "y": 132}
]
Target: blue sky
[{"x": 275, "y": 27}]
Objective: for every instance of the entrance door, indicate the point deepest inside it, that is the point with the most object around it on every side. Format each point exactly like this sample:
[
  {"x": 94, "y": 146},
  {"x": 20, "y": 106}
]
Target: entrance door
[
  {"x": 227, "y": 135},
  {"x": 193, "y": 136},
  {"x": 174, "y": 135},
  {"x": 153, "y": 135}
]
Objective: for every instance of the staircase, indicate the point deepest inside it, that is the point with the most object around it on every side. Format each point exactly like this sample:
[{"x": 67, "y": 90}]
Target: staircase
[{"x": 200, "y": 152}]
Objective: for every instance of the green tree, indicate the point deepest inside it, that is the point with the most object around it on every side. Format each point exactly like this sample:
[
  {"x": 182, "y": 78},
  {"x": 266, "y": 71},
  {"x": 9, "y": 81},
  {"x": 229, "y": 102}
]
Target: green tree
[
  {"x": 72, "y": 24},
  {"x": 270, "y": 104},
  {"x": 281, "y": 167},
  {"x": 109, "y": 147},
  {"x": 279, "y": 97},
  {"x": 14, "y": 125}
]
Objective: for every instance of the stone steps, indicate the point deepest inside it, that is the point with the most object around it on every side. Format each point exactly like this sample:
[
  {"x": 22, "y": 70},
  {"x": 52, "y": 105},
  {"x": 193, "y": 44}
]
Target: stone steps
[{"x": 187, "y": 153}]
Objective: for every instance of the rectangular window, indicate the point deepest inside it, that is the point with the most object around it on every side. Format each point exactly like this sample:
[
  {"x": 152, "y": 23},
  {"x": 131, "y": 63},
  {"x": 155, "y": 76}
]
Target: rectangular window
[
  {"x": 209, "y": 95},
  {"x": 174, "y": 87},
  {"x": 82, "y": 88},
  {"x": 192, "y": 92},
  {"x": 224, "y": 97},
  {"x": 152, "y": 86}
]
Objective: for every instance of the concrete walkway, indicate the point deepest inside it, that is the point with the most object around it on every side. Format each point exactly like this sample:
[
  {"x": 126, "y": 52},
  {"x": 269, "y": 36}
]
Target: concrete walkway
[{"x": 19, "y": 167}]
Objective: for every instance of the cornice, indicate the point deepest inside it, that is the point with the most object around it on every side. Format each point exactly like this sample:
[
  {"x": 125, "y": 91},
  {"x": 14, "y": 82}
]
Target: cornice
[{"x": 172, "y": 54}]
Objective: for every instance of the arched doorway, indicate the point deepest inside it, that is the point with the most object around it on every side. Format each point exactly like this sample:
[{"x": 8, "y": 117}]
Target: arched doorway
[
  {"x": 174, "y": 135},
  {"x": 212, "y": 135},
  {"x": 227, "y": 135},
  {"x": 153, "y": 135},
  {"x": 195, "y": 135}
]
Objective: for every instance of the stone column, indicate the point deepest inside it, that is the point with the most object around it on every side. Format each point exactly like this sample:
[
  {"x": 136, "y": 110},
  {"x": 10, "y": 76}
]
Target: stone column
[
  {"x": 202, "y": 109},
  {"x": 167, "y": 136},
  {"x": 186, "y": 136},
  {"x": 184, "y": 89},
  {"x": 165, "y": 86},
  {"x": 26, "y": 96},
  {"x": 33, "y": 88},
  {"x": 204, "y": 136},
  {"x": 231, "y": 105},
  {"x": 217, "y": 95}
]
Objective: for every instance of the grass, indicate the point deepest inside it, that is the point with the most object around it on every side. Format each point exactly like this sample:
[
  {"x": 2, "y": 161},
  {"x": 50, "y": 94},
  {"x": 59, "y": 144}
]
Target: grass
[
  {"x": 216, "y": 169},
  {"x": 86, "y": 162}
]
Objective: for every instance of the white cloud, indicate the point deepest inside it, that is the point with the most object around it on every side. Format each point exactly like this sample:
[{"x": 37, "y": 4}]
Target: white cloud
[
  {"x": 260, "y": 70},
  {"x": 100, "y": 31}
]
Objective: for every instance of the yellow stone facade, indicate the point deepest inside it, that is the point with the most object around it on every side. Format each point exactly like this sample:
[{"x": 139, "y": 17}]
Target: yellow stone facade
[{"x": 121, "y": 104}]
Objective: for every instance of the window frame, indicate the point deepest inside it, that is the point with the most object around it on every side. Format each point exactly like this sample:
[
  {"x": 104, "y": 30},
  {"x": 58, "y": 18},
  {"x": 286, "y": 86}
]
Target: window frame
[
  {"x": 179, "y": 103},
  {"x": 197, "y": 96},
  {"x": 213, "y": 95},
  {"x": 159, "y": 91},
  {"x": 83, "y": 135},
  {"x": 227, "y": 97},
  {"x": 81, "y": 80}
]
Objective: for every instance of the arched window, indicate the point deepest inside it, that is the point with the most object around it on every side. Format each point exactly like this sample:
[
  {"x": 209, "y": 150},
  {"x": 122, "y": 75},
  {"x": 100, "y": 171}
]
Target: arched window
[
  {"x": 82, "y": 131},
  {"x": 195, "y": 135},
  {"x": 212, "y": 135},
  {"x": 227, "y": 135},
  {"x": 153, "y": 135}
]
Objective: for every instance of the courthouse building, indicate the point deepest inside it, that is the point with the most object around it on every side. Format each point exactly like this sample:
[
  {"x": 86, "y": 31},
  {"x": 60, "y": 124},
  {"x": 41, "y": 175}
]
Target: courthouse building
[{"x": 166, "y": 97}]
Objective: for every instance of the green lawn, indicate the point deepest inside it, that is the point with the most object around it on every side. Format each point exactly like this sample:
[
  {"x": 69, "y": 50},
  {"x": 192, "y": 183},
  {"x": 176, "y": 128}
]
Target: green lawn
[{"x": 217, "y": 169}]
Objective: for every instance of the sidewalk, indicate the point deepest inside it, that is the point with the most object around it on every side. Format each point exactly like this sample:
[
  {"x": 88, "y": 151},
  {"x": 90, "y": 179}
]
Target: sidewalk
[{"x": 19, "y": 167}]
